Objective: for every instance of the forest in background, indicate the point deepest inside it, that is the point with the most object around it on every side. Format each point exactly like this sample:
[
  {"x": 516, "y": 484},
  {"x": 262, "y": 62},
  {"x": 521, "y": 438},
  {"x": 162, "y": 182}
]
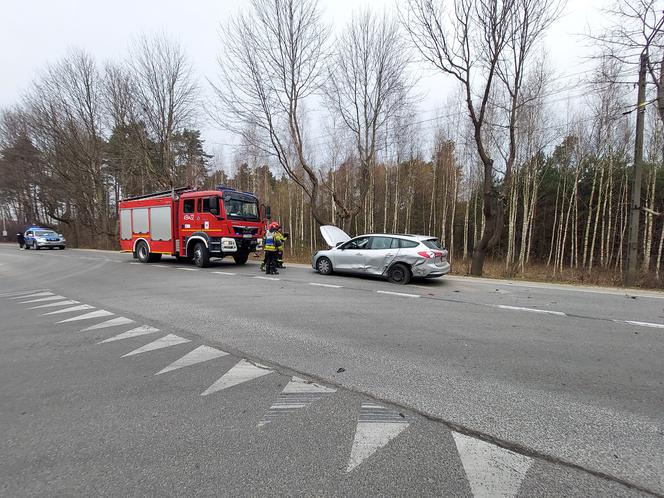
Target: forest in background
[{"x": 511, "y": 165}]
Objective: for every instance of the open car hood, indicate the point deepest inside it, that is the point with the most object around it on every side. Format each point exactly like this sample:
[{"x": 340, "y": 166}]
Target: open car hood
[{"x": 333, "y": 235}]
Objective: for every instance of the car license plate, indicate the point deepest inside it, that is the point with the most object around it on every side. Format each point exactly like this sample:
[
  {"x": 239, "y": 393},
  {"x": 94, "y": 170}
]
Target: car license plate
[{"x": 247, "y": 236}]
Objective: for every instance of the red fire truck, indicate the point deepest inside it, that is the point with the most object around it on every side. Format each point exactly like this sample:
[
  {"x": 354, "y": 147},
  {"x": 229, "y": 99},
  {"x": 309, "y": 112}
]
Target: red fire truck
[{"x": 192, "y": 225}]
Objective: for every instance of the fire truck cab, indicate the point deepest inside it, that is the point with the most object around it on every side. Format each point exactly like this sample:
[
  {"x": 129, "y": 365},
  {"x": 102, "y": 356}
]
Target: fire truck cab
[{"x": 192, "y": 225}]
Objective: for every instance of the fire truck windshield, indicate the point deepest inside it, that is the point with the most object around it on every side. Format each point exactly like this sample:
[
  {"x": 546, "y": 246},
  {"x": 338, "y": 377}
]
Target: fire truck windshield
[{"x": 241, "y": 208}]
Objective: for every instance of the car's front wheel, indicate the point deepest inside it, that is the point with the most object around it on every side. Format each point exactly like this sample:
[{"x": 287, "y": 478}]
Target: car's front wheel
[
  {"x": 35, "y": 246},
  {"x": 201, "y": 255},
  {"x": 241, "y": 258},
  {"x": 324, "y": 266},
  {"x": 399, "y": 274}
]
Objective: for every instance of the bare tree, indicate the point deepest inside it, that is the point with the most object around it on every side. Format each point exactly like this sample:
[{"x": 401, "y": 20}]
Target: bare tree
[
  {"x": 272, "y": 62},
  {"x": 483, "y": 44},
  {"x": 166, "y": 97},
  {"x": 367, "y": 85}
]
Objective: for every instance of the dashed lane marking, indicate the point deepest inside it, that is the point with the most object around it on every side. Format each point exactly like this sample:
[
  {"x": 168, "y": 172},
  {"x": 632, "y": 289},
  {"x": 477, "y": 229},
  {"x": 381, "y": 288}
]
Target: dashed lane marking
[
  {"x": 137, "y": 332},
  {"x": 43, "y": 299},
  {"x": 225, "y": 273},
  {"x": 165, "y": 342},
  {"x": 400, "y": 294},
  {"x": 376, "y": 426},
  {"x": 266, "y": 278},
  {"x": 52, "y": 305},
  {"x": 87, "y": 316},
  {"x": 331, "y": 286},
  {"x": 491, "y": 470},
  {"x": 158, "y": 266},
  {"x": 134, "y": 263},
  {"x": 642, "y": 324},
  {"x": 531, "y": 310},
  {"x": 185, "y": 269},
  {"x": 297, "y": 394},
  {"x": 30, "y": 296},
  {"x": 243, "y": 371},
  {"x": 198, "y": 355},
  {"x": 80, "y": 307},
  {"x": 113, "y": 322}
]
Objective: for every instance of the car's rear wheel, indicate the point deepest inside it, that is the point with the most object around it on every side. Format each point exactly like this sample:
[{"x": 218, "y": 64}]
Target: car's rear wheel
[
  {"x": 324, "y": 266},
  {"x": 201, "y": 255},
  {"x": 399, "y": 274}
]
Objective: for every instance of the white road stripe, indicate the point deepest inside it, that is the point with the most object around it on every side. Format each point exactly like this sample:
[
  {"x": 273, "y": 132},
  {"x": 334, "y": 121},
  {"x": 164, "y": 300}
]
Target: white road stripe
[
  {"x": 113, "y": 322},
  {"x": 44, "y": 299},
  {"x": 400, "y": 294},
  {"x": 642, "y": 324},
  {"x": 532, "y": 310},
  {"x": 165, "y": 342},
  {"x": 376, "y": 427},
  {"x": 133, "y": 263},
  {"x": 225, "y": 273},
  {"x": 266, "y": 278},
  {"x": 39, "y": 294},
  {"x": 80, "y": 307},
  {"x": 23, "y": 293},
  {"x": 491, "y": 470},
  {"x": 198, "y": 355},
  {"x": 87, "y": 316},
  {"x": 243, "y": 371},
  {"x": 186, "y": 269},
  {"x": 158, "y": 266},
  {"x": 326, "y": 285},
  {"x": 51, "y": 305},
  {"x": 138, "y": 331}
]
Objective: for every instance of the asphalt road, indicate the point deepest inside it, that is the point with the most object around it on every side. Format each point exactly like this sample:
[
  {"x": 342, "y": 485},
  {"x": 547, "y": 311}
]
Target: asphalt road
[{"x": 314, "y": 385}]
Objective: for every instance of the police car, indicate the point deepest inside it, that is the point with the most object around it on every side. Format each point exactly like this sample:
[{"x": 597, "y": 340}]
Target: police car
[{"x": 38, "y": 238}]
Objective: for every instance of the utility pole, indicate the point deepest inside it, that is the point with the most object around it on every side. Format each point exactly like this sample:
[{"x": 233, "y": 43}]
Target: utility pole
[{"x": 633, "y": 236}]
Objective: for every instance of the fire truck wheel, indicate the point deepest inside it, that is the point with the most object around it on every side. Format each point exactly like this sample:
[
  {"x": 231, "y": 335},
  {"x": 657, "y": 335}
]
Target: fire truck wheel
[
  {"x": 201, "y": 255},
  {"x": 142, "y": 252},
  {"x": 241, "y": 259}
]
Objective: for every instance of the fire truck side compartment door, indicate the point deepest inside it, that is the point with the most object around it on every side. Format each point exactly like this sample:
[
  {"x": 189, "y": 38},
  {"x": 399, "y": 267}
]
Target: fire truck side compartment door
[
  {"x": 125, "y": 224},
  {"x": 140, "y": 220},
  {"x": 160, "y": 223}
]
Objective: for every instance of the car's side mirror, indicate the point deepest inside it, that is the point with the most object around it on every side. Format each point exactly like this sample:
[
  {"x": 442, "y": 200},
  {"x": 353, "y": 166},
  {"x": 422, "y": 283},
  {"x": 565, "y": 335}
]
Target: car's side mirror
[{"x": 339, "y": 244}]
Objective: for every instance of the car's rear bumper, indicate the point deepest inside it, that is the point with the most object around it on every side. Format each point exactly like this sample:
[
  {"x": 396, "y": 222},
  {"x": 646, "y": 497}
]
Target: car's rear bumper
[{"x": 431, "y": 270}]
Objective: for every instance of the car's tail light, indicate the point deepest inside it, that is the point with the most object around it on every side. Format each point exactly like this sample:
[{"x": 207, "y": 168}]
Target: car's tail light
[{"x": 430, "y": 254}]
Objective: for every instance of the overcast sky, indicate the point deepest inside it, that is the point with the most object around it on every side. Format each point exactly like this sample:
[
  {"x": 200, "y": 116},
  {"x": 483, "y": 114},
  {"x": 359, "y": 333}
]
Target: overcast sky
[{"x": 35, "y": 33}]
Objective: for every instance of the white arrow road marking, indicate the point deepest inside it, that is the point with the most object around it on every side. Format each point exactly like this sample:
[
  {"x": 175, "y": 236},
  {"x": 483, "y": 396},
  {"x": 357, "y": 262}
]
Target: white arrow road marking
[
  {"x": 376, "y": 427},
  {"x": 80, "y": 307},
  {"x": 243, "y": 371},
  {"x": 22, "y": 293},
  {"x": 642, "y": 324},
  {"x": 492, "y": 471},
  {"x": 138, "y": 331},
  {"x": 113, "y": 322},
  {"x": 297, "y": 394},
  {"x": 39, "y": 294},
  {"x": 51, "y": 298},
  {"x": 165, "y": 342},
  {"x": 52, "y": 305},
  {"x": 400, "y": 294},
  {"x": 532, "y": 310},
  {"x": 198, "y": 355},
  {"x": 87, "y": 316}
]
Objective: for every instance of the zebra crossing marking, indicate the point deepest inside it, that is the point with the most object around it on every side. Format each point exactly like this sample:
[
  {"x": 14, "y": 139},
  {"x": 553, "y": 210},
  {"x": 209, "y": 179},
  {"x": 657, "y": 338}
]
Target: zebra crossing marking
[
  {"x": 80, "y": 307},
  {"x": 42, "y": 299},
  {"x": 297, "y": 394},
  {"x": 376, "y": 427},
  {"x": 243, "y": 371},
  {"x": 113, "y": 322},
  {"x": 51, "y": 305},
  {"x": 165, "y": 342},
  {"x": 87, "y": 316},
  {"x": 137, "y": 332},
  {"x": 492, "y": 471},
  {"x": 198, "y": 355}
]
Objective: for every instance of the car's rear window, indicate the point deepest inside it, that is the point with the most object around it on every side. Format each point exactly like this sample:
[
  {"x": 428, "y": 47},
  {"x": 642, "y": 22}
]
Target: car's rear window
[
  {"x": 407, "y": 244},
  {"x": 432, "y": 244}
]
